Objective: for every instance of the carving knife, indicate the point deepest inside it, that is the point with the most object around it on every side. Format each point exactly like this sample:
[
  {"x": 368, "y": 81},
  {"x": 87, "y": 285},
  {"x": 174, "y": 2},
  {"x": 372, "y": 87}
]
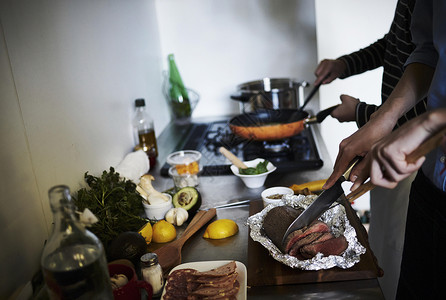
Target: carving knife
[{"x": 320, "y": 204}]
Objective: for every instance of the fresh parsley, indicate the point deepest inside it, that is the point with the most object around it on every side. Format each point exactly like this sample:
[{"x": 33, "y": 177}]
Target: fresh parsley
[{"x": 114, "y": 201}]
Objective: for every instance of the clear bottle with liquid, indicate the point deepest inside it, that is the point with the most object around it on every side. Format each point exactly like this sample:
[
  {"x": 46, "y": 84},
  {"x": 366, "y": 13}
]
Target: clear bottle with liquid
[
  {"x": 144, "y": 131},
  {"x": 73, "y": 260}
]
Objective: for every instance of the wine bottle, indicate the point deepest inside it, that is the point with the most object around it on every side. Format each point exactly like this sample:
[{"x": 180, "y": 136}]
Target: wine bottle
[
  {"x": 73, "y": 260},
  {"x": 178, "y": 94}
]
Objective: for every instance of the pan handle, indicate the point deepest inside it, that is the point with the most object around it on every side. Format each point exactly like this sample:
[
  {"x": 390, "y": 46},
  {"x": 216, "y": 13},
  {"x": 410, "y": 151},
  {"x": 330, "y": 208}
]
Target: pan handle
[
  {"x": 243, "y": 96},
  {"x": 321, "y": 115}
]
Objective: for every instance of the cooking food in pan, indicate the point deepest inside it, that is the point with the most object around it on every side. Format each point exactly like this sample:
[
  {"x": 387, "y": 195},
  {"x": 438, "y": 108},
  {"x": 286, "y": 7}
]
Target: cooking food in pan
[{"x": 270, "y": 125}]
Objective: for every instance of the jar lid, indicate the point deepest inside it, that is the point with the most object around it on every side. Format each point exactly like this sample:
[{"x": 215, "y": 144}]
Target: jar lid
[{"x": 149, "y": 259}]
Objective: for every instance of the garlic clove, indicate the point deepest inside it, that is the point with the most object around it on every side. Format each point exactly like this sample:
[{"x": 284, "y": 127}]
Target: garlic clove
[{"x": 177, "y": 216}]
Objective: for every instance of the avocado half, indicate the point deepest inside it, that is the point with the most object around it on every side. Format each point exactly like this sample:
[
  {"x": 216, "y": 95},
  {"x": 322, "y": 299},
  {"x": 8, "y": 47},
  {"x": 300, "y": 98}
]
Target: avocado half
[{"x": 188, "y": 198}]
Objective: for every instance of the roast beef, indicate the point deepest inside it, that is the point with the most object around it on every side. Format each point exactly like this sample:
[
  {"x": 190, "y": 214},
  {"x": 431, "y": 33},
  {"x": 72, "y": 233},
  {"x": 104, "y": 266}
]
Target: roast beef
[
  {"x": 333, "y": 246},
  {"x": 293, "y": 237},
  {"x": 303, "y": 243},
  {"x": 277, "y": 221}
]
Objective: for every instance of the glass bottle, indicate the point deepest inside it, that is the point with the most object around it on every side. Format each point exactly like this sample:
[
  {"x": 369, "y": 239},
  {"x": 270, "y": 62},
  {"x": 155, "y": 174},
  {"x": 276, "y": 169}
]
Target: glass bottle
[
  {"x": 152, "y": 272},
  {"x": 73, "y": 260},
  {"x": 179, "y": 96},
  {"x": 144, "y": 131}
]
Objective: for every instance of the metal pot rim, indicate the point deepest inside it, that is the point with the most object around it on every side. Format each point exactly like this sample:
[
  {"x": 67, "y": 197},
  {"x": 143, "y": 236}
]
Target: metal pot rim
[{"x": 267, "y": 82}]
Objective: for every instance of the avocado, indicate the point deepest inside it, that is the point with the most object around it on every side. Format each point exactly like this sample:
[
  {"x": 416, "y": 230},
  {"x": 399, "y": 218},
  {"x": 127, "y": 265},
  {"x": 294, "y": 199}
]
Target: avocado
[
  {"x": 127, "y": 245},
  {"x": 188, "y": 198}
]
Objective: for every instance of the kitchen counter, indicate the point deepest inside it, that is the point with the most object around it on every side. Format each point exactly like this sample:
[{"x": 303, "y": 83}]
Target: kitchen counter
[{"x": 217, "y": 190}]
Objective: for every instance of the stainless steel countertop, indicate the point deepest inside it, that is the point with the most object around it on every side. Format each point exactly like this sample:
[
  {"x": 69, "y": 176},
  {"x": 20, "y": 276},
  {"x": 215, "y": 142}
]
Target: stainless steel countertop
[{"x": 217, "y": 190}]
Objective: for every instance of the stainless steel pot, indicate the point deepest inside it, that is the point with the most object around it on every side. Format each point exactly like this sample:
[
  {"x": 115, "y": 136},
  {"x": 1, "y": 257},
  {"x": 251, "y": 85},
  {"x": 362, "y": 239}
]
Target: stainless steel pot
[{"x": 270, "y": 93}]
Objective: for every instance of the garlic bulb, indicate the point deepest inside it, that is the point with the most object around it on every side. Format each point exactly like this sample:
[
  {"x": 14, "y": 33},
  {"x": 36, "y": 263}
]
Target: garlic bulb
[{"x": 177, "y": 216}]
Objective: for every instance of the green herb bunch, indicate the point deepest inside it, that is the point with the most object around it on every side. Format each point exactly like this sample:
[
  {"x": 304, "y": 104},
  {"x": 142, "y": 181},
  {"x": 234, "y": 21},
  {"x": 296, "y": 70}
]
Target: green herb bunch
[{"x": 114, "y": 201}]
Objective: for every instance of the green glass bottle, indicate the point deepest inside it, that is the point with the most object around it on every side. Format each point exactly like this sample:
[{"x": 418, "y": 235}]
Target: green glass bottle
[{"x": 179, "y": 97}]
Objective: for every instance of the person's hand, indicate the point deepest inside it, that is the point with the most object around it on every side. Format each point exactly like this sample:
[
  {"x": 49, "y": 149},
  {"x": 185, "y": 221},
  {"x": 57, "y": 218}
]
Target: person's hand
[
  {"x": 387, "y": 161},
  {"x": 328, "y": 70},
  {"x": 358, "y": 144},
  {"x": 346, "y": 111}
]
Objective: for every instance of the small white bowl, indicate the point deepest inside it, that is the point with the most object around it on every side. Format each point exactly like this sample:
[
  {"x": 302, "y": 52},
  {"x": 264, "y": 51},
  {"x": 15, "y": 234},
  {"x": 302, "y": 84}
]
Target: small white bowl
[
  {"x": 277, "y": 190},
  {"x": 157, "y": 211},
  {"x": 254, "y": 181}
]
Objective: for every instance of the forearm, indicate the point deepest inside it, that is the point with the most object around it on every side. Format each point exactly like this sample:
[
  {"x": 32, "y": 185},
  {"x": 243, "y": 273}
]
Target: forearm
[{"x": 413, "y": 86}]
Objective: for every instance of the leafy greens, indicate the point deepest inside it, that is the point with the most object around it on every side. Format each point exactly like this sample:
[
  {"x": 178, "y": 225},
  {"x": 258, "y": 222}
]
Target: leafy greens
[
  {"x": 259, "y": 169},
  {"x": 114, "y": 201}
]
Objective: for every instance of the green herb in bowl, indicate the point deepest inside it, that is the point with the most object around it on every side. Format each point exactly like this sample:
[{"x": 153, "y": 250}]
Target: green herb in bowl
[{"x": 259, "y": 169}]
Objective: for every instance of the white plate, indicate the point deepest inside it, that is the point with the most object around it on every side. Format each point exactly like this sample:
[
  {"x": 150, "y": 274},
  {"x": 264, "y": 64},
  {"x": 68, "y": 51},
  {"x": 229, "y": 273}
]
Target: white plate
[{"x": 202, "y": 266}]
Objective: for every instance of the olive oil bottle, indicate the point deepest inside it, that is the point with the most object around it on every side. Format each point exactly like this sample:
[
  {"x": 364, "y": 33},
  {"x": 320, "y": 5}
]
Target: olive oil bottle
[{"x": 144, "y": 131}]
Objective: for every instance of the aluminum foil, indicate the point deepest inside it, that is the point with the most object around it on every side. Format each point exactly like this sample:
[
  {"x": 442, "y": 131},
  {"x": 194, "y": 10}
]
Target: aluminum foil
[{"x": 336, "y": 219}]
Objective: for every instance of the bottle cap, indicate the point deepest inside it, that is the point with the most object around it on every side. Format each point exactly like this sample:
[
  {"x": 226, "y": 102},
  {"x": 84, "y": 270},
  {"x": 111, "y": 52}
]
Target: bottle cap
[
  {"x": 149, "y": 259},
  {"x": 140, "y": 102}
]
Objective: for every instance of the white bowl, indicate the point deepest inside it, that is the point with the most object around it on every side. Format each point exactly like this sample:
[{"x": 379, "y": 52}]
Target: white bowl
[
  {"x": 157, "y": 211},
  {"x": 253, "y": 181},
  {"x": 277, "y": 190}
]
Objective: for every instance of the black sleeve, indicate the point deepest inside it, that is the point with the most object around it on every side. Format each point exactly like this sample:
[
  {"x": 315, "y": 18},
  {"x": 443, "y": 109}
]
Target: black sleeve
[{"x": 365, "y": 59}]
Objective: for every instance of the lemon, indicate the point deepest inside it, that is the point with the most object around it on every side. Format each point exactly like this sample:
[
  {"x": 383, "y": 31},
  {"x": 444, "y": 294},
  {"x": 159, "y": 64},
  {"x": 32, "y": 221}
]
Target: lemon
[
  {"x": 146, "y": 232},
  {"x": 163, "y": 232},
  {"x": 221, "y": 229}
]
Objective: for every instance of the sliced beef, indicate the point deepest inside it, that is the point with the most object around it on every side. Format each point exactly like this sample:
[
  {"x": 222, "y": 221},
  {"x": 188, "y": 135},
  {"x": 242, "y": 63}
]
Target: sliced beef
[
  {"x": 213, "y": 291},
  {"x": 293, "y": 237},
  {"x": 176, "y": 285},
  {"x": 224, "y": 270},
  {"x": 218, "y": 283},
  {"x": 334, "y": 246},
  {"x": 215, "y": 280},
  {"x": 277, "y": 221}
]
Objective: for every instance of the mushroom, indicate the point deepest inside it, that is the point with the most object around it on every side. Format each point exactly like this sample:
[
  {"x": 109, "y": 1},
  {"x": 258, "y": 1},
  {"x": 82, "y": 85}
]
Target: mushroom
[{"x": 153, "y": 196}]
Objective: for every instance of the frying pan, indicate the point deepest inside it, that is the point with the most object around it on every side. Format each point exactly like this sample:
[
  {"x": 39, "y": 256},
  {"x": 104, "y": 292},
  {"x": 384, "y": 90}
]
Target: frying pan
[{"x": 277, "y": 124}]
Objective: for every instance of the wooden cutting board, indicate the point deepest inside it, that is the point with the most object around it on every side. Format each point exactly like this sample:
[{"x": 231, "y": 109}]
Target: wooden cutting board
[{"x": 263, "y": 269}]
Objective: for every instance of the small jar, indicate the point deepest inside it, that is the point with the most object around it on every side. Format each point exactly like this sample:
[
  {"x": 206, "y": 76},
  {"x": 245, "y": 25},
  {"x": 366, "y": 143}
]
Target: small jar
[{"x": 152, "y": 272}]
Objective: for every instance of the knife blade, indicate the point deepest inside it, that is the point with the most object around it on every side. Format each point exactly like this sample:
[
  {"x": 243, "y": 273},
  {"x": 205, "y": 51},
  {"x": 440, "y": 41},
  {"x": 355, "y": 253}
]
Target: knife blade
[{"x": 320, "y": 204}]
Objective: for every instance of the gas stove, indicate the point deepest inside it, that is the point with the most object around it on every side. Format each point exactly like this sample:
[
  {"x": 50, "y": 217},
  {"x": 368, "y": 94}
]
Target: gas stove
[{"x": 295, "y": 153}]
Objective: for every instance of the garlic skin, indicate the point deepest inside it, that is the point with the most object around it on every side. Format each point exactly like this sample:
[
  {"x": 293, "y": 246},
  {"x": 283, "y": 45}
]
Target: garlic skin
[
  {"x": 151, "y": 195},
  {"x": 177, "y": 216}
]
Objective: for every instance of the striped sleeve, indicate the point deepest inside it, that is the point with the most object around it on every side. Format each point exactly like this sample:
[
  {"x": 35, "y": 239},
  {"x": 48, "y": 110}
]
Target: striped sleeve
[
  {"x": 364, "y": 112},
  {"x": 365, "y": 59}
]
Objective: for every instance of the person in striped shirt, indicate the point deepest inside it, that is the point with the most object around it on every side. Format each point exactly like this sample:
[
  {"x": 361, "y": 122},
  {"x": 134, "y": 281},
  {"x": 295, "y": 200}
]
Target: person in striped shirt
[{"x": 388, "y": 218}]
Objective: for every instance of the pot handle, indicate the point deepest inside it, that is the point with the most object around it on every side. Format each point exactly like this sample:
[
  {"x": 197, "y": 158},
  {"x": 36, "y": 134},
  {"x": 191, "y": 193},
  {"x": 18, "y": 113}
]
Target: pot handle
[{"x": 321, "y": 115}]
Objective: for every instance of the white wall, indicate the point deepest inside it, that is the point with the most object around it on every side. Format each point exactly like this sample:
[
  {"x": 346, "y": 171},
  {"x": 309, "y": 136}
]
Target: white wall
[
  {"x": 220, "y": 44},
  {"x": 69, "y": 73}
]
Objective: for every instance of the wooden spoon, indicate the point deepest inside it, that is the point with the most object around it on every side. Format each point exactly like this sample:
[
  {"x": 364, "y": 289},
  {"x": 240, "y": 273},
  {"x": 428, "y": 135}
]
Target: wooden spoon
[
  {"x": 234, "y": 159},
  {"x": 169, "y": 256}
]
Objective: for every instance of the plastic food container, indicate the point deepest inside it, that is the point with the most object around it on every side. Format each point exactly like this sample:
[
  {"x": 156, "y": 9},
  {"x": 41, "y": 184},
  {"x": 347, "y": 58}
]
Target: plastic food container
[
  {"x": 275, "y": 194},
  {"x": 185, "y": 161},
  {"x": 183, "y": 180}
]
